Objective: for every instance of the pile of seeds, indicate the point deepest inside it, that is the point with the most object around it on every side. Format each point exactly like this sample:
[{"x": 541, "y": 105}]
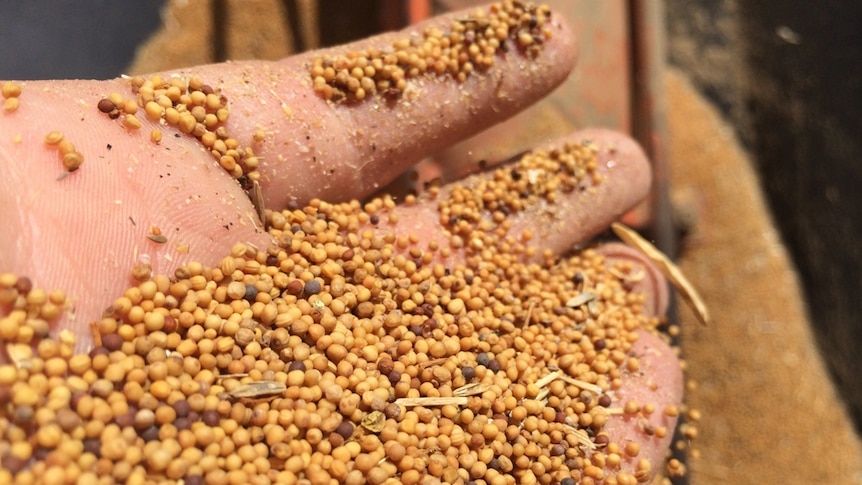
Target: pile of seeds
[
  {"x": 343, "y": 353},
  {"x": 471, "y": 44},
  {"x": 193, "y": 108}
]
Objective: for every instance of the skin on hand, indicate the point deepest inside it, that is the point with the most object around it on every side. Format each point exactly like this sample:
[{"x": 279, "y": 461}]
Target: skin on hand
[{"x": 85, "y": 232}]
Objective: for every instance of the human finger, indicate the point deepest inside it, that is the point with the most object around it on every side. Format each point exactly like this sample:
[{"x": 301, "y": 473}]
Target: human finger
[
  {"x": 641, "y": 407},
  {"x": 301, "y": 121},
  {"x": 595, "y": 176},
  {"x": 132, "y": 209}
]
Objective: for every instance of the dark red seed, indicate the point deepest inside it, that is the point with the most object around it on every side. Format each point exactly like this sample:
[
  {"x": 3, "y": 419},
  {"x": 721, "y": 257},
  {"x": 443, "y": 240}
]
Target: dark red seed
[
  {"x": 182, "y": 408},
  {"x": 94, "y": 446},
  {"x": 170, "y": 325},
  {"x": 182, "y": 423},
  {"x": 385, "y": 365},
  {"x": 394, "y": 377},
  {"x": 345, "y": 429},
  {"x": 126, "y": 419},
  {"x": 14, "y": 464},
  {"x": 468, "y": 372},
  {"x": 24, "y": 285},
  {"x": 295, "y": 287},
  {"x": 112, "y": 342},
  {"x": 106, "y": 105},
  {"x": 392, "y": 411},
  {"x": 194, "y": 480},
  {"x": 100, "y": 350},
  {"x": 312, "y": 288},
  {"x": 23, "y": 415},
  {"x": 336, "y": 440},
  {"x": 211, "y": 417}
]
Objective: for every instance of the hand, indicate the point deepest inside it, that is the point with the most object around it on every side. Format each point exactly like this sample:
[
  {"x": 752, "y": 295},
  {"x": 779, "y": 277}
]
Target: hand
[{"x": 85, "y": 232}]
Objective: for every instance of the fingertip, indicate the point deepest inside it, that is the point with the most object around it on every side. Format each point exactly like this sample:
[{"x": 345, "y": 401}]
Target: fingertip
[
  {"x": 650, "y": 399},
  {"x": 646, "y": 278},
  {"x": 454, "y": 77},
  {"x": 617, "y": 152}
]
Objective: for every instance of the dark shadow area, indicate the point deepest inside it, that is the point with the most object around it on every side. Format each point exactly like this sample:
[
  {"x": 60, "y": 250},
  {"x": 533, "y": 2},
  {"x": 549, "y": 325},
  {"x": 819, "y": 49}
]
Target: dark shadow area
[
  {"x": 788, "y": 76},
  {"x": 804, "y": 68},
  {"x": 50, "y": 39}
]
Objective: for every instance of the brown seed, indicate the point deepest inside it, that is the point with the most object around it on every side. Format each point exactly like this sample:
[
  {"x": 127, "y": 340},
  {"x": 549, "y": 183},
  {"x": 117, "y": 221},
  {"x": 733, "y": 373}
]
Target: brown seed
[{"x": 105, "y": 105}]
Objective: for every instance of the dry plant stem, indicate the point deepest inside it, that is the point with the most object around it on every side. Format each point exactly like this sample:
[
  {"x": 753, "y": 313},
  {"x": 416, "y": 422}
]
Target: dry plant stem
[{"x": 670, "y": 270}]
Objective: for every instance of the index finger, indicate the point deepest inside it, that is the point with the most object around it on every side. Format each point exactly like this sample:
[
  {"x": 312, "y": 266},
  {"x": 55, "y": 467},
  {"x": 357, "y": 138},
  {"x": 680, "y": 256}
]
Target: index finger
[{"x": 353, "y": 117}]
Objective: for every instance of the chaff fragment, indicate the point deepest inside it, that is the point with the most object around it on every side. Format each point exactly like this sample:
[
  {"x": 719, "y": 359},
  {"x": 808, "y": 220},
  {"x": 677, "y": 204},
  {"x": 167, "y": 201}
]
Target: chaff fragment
[
  {"x": 667, "y": 267},
  {"x": 255, "y": 390}
]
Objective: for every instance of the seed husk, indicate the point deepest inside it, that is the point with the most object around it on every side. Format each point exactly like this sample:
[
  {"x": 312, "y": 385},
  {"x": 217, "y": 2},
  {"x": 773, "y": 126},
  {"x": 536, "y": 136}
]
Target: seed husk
[
  {"x": 374, "y": 421},
  {"x": 257, "y": 390},
  {"x": 581, "y": 299},
  {"x": 432, "y": 401},
  {"x": 257, "y": 200},
  {"x": 667, "y": 267},
  {"x": 157, "y": 238}
]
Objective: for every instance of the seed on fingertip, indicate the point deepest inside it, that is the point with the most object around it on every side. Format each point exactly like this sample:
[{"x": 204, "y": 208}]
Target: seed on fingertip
[
  {"x": 72, "y": 161},
  {"x": 105, "y": 105},
  {"x": 155, "y": 235},
  {"x": 54, "y": 137},
  {"x": 11, "y": 89},
  {"x": 469, "y": 45},
  {"x": 10, "y": 104}
]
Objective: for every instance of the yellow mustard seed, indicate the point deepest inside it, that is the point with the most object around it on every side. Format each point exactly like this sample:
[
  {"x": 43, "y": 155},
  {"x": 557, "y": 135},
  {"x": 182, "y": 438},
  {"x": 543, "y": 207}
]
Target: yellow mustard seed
[
  {"x": 10, "y": 104},
  {"x": 11, "y": 89},
  {"x": 72, "y": 161},
  {"x": 131, "y": 122}
]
